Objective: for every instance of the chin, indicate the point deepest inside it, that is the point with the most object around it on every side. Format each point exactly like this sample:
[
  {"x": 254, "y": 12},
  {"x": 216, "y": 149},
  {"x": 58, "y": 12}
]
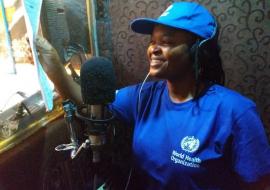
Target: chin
[{"x": 157, "y": 74}]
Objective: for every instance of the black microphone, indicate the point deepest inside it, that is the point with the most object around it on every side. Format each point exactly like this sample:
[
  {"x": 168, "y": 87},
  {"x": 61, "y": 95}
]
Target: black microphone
[
  {"x": 98, "y": 81},
  {"x": 98, "y": 84}
]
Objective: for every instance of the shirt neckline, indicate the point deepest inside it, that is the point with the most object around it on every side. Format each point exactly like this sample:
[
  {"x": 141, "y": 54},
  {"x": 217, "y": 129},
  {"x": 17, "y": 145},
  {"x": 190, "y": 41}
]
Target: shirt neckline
[
  {"x": 175, "y": 105},
  {"x": 187, "y": 104}
]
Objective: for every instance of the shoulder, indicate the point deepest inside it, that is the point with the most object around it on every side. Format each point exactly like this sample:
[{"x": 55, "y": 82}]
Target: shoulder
[
  {"x": 128, "y": 99},
  {"x": 228, "y": 100},
  {"x": 146, "y": 88},
  {"x": 229, "y": 95}
]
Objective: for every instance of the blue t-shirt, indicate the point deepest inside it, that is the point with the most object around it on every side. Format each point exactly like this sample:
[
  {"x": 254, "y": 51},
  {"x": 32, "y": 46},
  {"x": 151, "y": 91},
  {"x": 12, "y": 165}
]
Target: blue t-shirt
[{"x": 206, "y": 144}]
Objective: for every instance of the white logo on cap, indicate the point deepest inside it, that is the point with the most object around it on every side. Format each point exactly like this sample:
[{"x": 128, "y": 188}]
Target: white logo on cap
[
  {"x": 190, "y": 144},
  {"x": 167, "y": 11}
]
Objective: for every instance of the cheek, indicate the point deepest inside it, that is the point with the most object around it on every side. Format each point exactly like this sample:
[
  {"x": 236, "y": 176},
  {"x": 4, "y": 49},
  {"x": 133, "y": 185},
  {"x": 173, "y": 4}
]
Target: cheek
[
  {"x": 149, "y": 51},
  {"x": 166, "y": 53},
  {"x": 179, "y": 54}
]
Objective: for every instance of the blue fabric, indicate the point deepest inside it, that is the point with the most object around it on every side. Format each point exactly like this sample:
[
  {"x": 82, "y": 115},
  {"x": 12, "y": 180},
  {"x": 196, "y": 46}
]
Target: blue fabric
[
  {"x": 188, "y": 16},
  {"x": 205, "y": 145}
]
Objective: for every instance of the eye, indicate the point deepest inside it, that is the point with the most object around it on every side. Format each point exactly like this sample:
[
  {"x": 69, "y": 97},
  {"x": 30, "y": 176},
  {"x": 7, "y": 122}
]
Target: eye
[
  {"x": 167, "y": 42},
  {"x": 152, "y": 42}
]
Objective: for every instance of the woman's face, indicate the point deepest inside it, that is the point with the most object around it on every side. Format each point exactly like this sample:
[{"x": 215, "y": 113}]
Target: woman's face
[{"x": 168, "y": 53}]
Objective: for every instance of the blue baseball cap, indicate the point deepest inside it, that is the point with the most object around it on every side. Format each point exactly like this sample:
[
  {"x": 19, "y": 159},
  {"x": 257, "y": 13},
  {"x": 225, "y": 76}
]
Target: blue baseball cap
[{"x": 187, "y": 16}]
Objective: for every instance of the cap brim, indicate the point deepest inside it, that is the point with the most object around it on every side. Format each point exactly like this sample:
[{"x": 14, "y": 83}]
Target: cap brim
[{"x": 144, "y": 25}]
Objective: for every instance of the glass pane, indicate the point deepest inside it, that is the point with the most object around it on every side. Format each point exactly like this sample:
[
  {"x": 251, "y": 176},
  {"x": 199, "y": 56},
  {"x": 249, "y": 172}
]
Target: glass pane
[{"x": 22, "y": 84}]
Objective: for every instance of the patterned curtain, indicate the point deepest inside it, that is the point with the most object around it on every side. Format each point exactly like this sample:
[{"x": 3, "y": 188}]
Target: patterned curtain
[{"x": 244, "y": 39}]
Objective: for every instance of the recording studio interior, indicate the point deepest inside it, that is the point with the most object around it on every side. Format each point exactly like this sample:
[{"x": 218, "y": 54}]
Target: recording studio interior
[{"x": 110, "y": 52}]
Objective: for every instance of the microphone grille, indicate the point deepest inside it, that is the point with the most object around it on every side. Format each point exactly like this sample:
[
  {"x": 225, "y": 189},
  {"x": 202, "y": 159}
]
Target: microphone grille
[{"x": 98, "y": 82}]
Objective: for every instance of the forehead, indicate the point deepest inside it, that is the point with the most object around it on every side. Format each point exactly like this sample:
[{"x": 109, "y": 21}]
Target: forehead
[{"x": 161, "y": 30}]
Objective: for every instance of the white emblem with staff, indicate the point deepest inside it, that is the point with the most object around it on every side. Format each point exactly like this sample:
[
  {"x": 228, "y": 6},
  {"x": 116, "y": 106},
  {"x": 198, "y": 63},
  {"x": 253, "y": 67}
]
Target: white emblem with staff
[{"x": 190, "y": 144}]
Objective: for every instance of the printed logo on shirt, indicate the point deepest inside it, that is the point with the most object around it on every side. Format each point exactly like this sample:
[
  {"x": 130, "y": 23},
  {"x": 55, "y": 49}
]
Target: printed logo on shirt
[
  {"x": 190, "y": 144},
  {"x": 185, "y": 160}
]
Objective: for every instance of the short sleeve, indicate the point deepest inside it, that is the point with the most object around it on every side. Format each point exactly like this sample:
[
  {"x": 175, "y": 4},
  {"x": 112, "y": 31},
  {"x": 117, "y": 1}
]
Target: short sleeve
[
  {"x": 251, "y": 151},
  {"x": 124, "y": 106}
]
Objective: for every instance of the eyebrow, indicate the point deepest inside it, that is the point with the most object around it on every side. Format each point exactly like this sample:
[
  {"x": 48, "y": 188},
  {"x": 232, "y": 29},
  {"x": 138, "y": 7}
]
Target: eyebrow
[{"x": 167, "y": 34}]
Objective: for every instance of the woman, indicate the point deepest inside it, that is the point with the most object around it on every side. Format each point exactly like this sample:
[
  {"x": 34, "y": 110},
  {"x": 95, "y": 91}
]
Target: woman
[{"x": 189, "y": 131}]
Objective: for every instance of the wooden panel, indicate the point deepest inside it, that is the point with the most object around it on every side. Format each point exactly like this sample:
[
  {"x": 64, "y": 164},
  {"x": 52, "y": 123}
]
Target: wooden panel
[{"x": 34, "y": 164}]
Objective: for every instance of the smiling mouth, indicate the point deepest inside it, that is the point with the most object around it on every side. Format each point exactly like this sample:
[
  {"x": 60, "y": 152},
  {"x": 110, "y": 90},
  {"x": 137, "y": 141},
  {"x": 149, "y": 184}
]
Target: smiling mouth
[{"x": 156, "y": 62}]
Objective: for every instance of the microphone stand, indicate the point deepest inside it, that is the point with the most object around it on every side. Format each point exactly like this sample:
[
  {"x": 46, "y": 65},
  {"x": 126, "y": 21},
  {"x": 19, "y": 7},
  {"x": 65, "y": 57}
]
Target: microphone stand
[
  {"x": 69, "y": 109},
  {"x": 97, "y": 137},
  {"x": 96, "y": 129}
]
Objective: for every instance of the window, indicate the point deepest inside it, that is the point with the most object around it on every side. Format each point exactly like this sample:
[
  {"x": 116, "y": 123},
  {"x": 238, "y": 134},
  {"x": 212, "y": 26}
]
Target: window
[{"x": 65, "y": 25}]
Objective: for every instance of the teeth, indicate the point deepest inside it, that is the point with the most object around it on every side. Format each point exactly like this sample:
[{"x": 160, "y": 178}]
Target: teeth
[{"x": 155, "y": 62}]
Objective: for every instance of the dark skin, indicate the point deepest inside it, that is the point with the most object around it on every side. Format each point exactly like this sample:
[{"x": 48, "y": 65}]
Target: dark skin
[
  {"x": 167, "y": 46},
  {"x": 50, "y": 61},
  {"x": 169, "y": 59}
]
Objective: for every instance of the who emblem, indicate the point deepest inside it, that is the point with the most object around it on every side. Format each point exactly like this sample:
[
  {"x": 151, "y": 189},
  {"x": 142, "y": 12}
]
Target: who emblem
[{"x": 190, "y": 144}]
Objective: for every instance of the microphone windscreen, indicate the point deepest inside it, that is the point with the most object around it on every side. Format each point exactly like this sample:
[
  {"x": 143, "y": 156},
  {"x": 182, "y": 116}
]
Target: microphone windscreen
[{"x": 98, "y": 82}]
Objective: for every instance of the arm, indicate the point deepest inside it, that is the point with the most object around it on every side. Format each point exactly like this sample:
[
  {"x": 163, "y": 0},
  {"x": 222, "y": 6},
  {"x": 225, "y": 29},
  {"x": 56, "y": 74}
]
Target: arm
[
  {"x": 50, "y": 61},
  {"x": 251, "y": 152},
  {"x": 262, "y": 184}
]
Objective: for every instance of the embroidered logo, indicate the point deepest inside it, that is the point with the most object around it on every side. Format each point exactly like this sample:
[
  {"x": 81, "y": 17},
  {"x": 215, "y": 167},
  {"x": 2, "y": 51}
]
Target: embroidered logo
[
  {"x": 166, "y": 12},
  {"x": 190, "y": 144}
]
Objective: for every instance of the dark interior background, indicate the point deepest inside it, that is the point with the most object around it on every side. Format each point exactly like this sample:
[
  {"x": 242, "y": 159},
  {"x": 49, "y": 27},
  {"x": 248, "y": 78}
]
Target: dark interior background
[
  {"x": 244, "y": 39},
  {"x": 245, "y": 42}
]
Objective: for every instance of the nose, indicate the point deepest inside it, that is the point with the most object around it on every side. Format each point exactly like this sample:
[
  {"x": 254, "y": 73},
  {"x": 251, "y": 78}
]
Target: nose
[{"x": 156, "y": 49}]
